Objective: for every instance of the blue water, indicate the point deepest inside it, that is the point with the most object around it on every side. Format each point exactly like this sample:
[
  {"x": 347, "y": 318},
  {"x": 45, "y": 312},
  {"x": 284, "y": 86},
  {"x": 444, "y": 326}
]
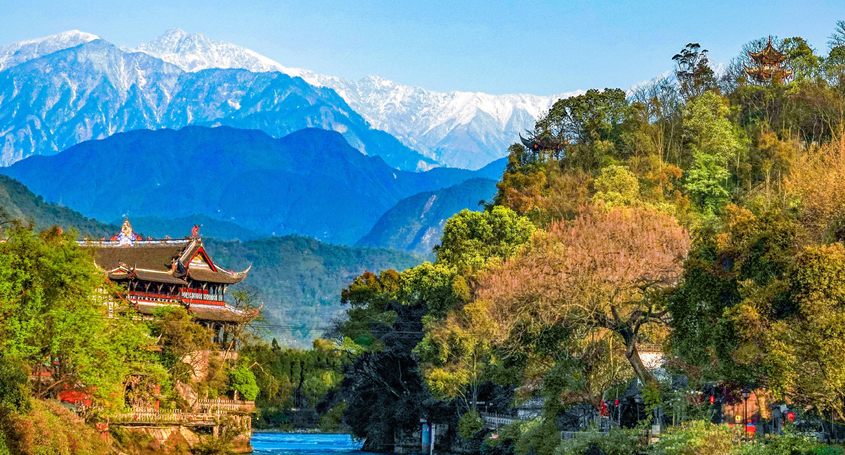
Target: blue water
[{"x": 305, "y": 444}]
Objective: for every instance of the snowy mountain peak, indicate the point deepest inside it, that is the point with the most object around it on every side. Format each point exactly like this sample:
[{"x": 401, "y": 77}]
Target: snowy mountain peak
[
  {"x": 24, "y": 51},
  {"x": 195, "y": 52},
  {"x": 72, "y": 37},
  {"x": 461, "y": 129}
]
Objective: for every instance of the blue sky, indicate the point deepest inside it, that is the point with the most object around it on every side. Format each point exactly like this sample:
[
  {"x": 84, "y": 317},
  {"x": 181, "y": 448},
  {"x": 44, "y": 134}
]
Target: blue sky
[{"x": 540, "y": 47}]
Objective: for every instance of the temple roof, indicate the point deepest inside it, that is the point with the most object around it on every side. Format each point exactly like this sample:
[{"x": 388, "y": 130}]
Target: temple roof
[
  {"x": 126, "y": 256},
  {"x": 768, "y": 55},
  {"x": 156, "y": 256},
  {"x": 538, "y": 143}
]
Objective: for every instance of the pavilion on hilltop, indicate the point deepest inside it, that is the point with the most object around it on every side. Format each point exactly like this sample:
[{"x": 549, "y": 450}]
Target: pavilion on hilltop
[
  {"x": 168, "y": 272},
  {"x": 767, "y": 65}
]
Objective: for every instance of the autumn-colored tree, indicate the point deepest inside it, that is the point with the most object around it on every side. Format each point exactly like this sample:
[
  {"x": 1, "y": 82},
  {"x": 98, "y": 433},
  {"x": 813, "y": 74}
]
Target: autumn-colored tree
[
  {"x": 603, "y": 271},
  {"x": 817, "y": 182}
]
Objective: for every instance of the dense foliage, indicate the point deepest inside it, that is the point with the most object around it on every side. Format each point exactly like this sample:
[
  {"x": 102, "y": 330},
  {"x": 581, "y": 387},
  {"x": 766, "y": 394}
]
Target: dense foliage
[{"x": 702, "y": 216}]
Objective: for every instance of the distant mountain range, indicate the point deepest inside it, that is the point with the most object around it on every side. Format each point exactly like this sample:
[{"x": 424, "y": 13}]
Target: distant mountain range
[
  {"x": 311, "y": 182},
  {"x": 457, "y": 129},
  {"x": 416, "y": 222},
  {"x": 300, "y": 278},
  {"x": 84, "y": 88},
  {"x": 53, "y": 99}
]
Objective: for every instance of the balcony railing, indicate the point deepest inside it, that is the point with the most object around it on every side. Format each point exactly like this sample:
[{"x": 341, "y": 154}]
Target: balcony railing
[{"x": 196, "y": 294}]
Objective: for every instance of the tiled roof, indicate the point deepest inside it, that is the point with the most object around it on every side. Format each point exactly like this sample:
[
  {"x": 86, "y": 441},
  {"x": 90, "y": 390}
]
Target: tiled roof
[
  {"x": 150, "y": 255},
  {"x": 206, "y": 274},
  {"x": 221, "y": 313},
  {"x": 152, "y": 260}
]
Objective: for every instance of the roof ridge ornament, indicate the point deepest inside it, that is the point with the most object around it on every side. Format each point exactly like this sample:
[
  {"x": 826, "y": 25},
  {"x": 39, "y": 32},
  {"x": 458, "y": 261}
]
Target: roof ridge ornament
[
  {"x": 126, "y": 236},
  {"x": 195, "y": 231}
]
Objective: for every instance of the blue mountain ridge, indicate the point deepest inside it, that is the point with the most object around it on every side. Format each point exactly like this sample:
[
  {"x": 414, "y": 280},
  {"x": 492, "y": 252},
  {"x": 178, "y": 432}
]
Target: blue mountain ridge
[
  {"x": 311, "y": 182},
  {"x": 416, "y": 223}
]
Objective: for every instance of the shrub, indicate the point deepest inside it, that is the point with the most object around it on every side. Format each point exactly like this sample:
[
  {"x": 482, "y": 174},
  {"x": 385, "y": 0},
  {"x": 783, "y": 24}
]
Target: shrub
[
  {"x": 50, "y": 428},
  {"x": 615, "y": 442},
  {"x": 790, "y": 443},
  {"x": 697, "y": 437},
  {"x": 243, "y": 380},
  {"x": 331, "y": 420},
  {"x": 470, "y": 424}
]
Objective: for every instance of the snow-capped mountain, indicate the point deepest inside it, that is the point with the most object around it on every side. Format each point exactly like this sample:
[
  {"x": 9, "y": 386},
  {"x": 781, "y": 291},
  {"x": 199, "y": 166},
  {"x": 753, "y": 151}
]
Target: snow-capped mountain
[
  {"x": 195, "y": 52},
  {"x": 459, "y": 129},
  {"x": 24, "y": 51},
  {"x": 94, "y": 89}
]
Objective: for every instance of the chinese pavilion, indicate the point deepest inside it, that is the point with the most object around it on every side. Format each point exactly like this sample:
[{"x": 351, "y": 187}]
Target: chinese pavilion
[
  {"x": 767, "y": 65},
  {"x": 157, "y": 273}
]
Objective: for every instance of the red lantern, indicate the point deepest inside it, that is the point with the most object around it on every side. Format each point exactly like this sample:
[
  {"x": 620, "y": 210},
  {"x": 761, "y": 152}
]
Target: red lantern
[
  {"x": 790, "y": 416},
  {"x": 616, "y": 402},
  {"x": 604, "y": 409},
  {"x": 712, "y": 399}
]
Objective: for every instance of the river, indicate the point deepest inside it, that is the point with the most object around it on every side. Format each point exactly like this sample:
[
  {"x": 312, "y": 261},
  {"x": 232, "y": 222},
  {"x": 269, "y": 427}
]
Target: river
[{"x": 305, "y": 444}]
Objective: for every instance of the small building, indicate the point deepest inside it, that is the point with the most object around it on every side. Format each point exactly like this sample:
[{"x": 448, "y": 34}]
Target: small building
[
  {"x": 167, "y": 272},
  {"x": 767, "y": 65}
]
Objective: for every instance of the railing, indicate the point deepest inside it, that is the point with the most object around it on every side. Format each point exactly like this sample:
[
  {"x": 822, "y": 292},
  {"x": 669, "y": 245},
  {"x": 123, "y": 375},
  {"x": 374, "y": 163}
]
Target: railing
[
  {"x": 492, "y": 421},
  {"x": 532, "y": 403},
  {"x": 152, "y": 296},
  {"x": 225, "y": 405},
  {"x": 575, "y": 434},
  {"x": 166, "y": 418},
  {"x": 200, "y": 295}
]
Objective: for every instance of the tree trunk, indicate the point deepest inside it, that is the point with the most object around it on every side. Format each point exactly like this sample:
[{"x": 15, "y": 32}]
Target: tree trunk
[{"x": 637, "y": 364}]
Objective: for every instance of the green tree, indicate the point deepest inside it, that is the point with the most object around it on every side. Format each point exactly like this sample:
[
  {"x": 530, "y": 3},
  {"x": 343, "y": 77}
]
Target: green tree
[
  {"x": 470, "y": 238},
  {"x": 617, "y": 187},
  {"x": 692, "y": 68},
  {"x": 714, "y": 142},
  {"x": 242, "y": 380},
  {"x": 54, "y": 317}
]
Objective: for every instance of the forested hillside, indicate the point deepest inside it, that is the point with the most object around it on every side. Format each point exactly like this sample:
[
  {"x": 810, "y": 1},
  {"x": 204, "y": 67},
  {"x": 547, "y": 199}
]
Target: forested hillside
[
  {"x": 19, "y": 202},
  {"x": 699, "y": 215},
  {"x": 416, "y": 223},
  {"x": 299, "y": 278}
]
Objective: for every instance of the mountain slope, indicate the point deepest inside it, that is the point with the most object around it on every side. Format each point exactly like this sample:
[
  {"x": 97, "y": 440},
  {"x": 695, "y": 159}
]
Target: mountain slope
[
  {"x": 458, "y": 129},
  {"x": 310, "y": 182},
  {"x": 93, "y": 90},
  {"x": 416, "y": 223},
  {"x": 300, "y": 278},
  {"x": 20, "y": 203}
]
